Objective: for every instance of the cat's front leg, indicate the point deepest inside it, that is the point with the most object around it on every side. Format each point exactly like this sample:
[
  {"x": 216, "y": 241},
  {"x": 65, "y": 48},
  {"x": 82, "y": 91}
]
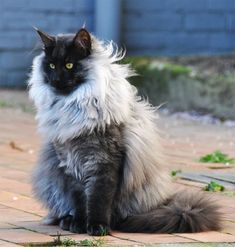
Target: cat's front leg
[
  {"x": 100, "y": 193},
  {"x": 76, "y": 221}
]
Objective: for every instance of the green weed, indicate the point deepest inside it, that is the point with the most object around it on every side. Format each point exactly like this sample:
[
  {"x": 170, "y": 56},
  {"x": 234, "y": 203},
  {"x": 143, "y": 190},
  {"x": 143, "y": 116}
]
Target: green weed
[
  {"x": 217, "y": 157},
  {"x": 175, "y": 172},
  {"x": 64, "y": 242},
  {"x": 214, "y": 187}
]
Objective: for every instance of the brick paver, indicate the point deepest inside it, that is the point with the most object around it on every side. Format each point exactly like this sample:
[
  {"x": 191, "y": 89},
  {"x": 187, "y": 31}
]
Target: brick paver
[
  {"x": 21, "y": 214},
  {"x": 23, "y": 236},
  {"x": 7, "y": 244},
  {"x": 209, "y": 237},
  {"x": 152, "y": 238}
]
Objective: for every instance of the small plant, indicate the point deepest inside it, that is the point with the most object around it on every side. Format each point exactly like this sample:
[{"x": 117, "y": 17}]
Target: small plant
[
  {"x": 229, "y": 193},
  {"x": 71, "y": 242},
  {"x": 68, "y": 242},
  {"x": 214, "y": 187},
  {"x": 175, "y": 172},
  {"x": 92, "y": 242},
  {"x": 176, "y": 69},
  {"x": 65, "y": 241},
  {"x": 217, "y": 157}
]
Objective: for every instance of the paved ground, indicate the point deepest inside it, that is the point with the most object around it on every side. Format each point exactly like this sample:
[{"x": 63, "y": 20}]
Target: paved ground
[{"x": 20, "y": 214}]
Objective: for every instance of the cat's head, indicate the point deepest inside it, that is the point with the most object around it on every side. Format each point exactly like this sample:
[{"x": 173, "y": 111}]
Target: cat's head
[{"x": 62, "y": 64}]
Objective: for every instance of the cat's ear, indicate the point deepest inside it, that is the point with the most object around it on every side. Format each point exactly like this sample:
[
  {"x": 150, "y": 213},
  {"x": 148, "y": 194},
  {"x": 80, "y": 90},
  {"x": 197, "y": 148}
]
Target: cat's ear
[
  {"x": 83, "y": 38},
  {"x": 47, "y": 39}
]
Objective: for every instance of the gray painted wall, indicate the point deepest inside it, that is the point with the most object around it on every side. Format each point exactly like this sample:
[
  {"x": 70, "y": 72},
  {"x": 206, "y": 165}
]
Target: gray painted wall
[
  {"x": 175, "y": 27},
  {"x": 149, "y": 27}
]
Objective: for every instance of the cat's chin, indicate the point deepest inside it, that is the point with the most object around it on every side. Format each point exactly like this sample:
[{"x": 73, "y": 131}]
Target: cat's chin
[{"x": 64, "y": 90}]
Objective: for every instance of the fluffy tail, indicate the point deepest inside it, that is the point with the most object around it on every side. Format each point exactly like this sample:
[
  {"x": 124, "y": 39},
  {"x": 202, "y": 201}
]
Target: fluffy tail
[{"x": 182, "y": 213}]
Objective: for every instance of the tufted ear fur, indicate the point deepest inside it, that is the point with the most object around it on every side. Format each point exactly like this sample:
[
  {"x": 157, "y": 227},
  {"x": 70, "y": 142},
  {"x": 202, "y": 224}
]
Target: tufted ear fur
[
  {"x": 47, "y": 39},
  {"x": 83, "y": 38}
]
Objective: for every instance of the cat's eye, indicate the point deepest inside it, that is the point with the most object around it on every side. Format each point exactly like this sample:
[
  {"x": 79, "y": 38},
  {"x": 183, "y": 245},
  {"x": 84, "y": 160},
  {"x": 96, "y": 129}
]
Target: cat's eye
[
  {"x": 52, "y": 65},
  {"x": 69, "y": 65}
]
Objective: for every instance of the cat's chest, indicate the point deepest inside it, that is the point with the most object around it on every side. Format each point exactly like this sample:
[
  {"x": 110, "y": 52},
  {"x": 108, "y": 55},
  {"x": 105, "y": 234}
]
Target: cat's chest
[
  {"x": 78, "y": 157},
  {"x": 64, "y": 120}
]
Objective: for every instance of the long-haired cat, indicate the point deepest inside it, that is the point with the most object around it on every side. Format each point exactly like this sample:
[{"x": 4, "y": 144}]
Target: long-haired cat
[{"x": 101, "y": 167}]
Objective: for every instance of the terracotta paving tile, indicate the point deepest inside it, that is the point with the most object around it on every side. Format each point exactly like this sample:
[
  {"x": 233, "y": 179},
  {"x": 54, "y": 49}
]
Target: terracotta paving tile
[
  {"x": 209, "y": 237},
  {"x": 8, "y": 244},
  {"x": 152, "y": 238},
  {"x": 16, "y": 163},
  {"x": 4, "y": 225},
  {"x": 19, "y": 209},
  {"x": 23, "y": 203},
  {"x": 229, "y": 227},
  {"x": 15, "y": 186},
  {"x": 11, "y": 215},
  {"x": 228, "y": 214},
  {"x": 23, "y": 236},
  {"x": 190, "y": 183},
  {"x": 3, "y": 206},
  {"x": 14, "y": 174},
  {"x": 225, "y": 198},
  {"x": 37, "y": 226}
]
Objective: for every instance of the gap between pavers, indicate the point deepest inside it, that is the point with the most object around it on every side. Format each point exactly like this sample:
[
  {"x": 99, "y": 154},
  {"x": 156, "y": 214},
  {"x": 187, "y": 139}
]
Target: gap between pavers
[
  {"x": 24, "y": 203},
  {"x": 22, "y": 236},
  {"x": 11, "y": 215},
  {"x": 37, "y": 226},
  {"x": 146, "y": 238},
  {"x": 4, "y": 225},
  {"x": 8, "y": 244},
  {"x": 229, "y": 227}
]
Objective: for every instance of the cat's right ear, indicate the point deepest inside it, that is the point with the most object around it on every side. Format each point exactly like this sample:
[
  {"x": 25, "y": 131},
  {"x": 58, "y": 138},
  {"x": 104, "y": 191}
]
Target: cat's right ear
[{"x": 47, "y": 39}]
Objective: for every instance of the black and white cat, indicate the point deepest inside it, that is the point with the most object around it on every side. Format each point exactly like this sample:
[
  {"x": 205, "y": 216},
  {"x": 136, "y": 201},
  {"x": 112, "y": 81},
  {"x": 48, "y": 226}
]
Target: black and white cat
[{"x": 101, "y": 166}]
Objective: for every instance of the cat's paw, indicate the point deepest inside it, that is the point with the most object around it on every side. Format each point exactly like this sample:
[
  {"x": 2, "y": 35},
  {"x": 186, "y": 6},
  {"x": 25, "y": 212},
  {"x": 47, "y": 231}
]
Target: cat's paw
[
  {"x": 77, "y": 227},
  {"x": 65, "y": 222},
  {"x": 98, "y": 230},
  {"x": 69, "y": 223},
  {"x": 50, "y": 220}
]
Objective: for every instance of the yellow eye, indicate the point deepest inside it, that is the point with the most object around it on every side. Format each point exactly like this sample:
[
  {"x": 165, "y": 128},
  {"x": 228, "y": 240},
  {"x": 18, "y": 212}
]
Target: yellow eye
[
  {"x": 52, "y": 65},
  {"x": 69, "y": 65}
]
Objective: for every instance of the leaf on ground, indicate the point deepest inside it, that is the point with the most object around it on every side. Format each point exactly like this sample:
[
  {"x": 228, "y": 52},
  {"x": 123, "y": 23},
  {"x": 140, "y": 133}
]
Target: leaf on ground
[
  {"x": 217, "y": 157},
  {"x": 175, "y": 172},
  {"x": 16, "y": 147},
  {"x": 214, "y": 187}
]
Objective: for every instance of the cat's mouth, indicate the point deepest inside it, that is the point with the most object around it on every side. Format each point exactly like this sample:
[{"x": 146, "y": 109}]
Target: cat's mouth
[{"x": 63, "y": 88}]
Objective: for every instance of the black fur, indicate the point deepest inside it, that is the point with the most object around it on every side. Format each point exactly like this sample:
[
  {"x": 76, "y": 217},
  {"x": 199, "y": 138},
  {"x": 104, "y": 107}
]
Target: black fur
[
  {"x": 61, "y": 50},
  {"x": 85, "y": 197}
]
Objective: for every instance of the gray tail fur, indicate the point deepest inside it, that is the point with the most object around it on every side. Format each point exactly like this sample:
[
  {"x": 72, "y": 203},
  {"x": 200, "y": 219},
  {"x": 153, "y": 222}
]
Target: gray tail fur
[{"x": 182, "y": 213}]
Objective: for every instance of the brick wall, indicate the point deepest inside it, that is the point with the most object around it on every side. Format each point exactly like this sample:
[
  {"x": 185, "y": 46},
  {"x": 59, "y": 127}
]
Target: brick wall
[
  {"x": 17, "y": 38},
  {"x": 175, "y": 27}
]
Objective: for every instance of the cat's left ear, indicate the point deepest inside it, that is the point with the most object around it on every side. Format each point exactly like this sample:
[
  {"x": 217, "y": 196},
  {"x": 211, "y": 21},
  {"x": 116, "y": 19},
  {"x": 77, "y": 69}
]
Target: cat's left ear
[{"x": 83, "y": 38}]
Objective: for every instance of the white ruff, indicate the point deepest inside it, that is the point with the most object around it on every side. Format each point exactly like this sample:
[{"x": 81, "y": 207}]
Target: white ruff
[{"x": 107, "y": 97}]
